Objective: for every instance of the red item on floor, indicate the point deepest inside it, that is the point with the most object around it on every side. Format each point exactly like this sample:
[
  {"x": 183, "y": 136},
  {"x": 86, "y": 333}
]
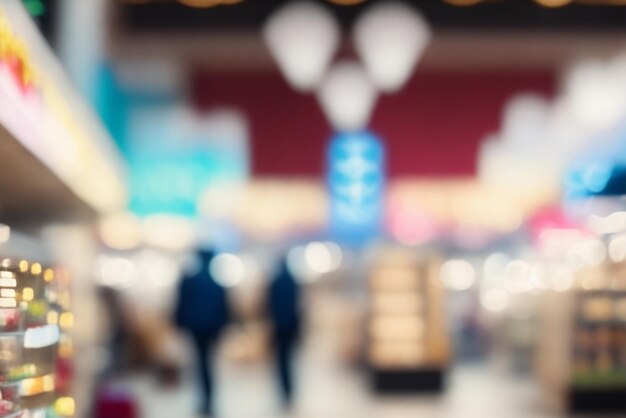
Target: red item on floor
[{"x": 116, "y": 403}]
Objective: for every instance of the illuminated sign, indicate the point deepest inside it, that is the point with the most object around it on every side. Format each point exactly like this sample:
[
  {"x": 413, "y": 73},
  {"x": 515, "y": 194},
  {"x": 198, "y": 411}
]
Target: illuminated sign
[
  {"x": 356, "y": 181},
  {"x": 175, "y": 155}
]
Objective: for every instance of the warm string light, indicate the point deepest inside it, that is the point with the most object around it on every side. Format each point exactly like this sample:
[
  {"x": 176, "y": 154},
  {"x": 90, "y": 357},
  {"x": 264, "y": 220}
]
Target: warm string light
[
  {"x": 205, "y": 4},
  {"x": 462, "y": 3},
  {"x": 553, "y": 3},
  {"x": 346, "y": 2}
]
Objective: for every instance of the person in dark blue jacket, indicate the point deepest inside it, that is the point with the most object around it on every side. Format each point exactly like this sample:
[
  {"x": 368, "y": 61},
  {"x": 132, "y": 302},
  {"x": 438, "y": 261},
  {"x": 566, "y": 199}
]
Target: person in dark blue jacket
[
  {"x": 283, "y": 303},
  {"x": 203, "y": 312}
]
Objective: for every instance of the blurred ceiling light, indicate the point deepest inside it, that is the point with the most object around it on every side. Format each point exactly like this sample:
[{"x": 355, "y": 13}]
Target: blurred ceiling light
[
  {"x": 201, "y": 4},
  {"x": 227, "y": 269},
  {"x": 303, "y": 37},
  {"x": 5, "y": 233},
  {"x": 494, "y": 300},
  {"x": 169, "y": 232},
  {"x": 553, "y": 3},
  {"x": 120, "y": 231},
  {"x": 457, "y": 274},
  {"x": 320, "y": 257},
  {"x": 347, "y": 97},
  {"x": 390, "y": 37}
]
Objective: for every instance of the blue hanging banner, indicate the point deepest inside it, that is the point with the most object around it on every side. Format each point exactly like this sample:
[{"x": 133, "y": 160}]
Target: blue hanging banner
[{"x": 356, "y": 183}]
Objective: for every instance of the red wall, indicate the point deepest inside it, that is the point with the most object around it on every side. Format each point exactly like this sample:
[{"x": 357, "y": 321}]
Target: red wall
[{"x": 432, "y": 127}]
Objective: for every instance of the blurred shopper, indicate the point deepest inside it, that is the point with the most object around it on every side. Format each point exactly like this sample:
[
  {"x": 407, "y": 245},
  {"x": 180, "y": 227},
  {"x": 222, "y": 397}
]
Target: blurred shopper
[
  {"x": 112, "y": 399},
  {"x": 283, "y": 304},
  {"x": 203, "y": 312},
  {"x": 119, "y": 333}
]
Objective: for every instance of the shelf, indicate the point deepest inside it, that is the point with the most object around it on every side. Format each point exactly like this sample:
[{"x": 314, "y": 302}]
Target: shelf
[
  {"x": 57, "y": 161},
  {"x": 31, "y": 193}
]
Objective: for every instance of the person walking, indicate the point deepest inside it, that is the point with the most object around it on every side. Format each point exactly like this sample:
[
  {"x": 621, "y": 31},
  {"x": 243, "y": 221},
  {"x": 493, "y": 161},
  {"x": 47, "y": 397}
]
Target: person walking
[
  {"x": 202, "y": 311},
  {"x": 283, "y": 303}
]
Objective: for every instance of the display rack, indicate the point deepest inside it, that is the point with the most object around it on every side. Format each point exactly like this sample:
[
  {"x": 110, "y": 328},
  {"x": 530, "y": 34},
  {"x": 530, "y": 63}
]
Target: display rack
[
  {"x": 59, "y": 171},
  {"x": 582, "y": 348},
  {"x": 28, "y": 340},
  {"x": 408, "y": 347}
]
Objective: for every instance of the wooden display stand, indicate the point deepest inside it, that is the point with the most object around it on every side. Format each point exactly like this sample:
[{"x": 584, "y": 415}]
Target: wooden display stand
[
  {"x": 581, "y": 357},
  {"x": 408, "y": 347}
]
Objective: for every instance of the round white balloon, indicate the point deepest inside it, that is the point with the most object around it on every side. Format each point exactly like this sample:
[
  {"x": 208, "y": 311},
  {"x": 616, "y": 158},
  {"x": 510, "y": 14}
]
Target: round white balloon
[
  {"x": 303, "y": 37},
  {"x": 596, "y": 93},
  {"x": 347, "y": 97},
  {"x": 525, "y": 120},
  {"x": 390, "y": 37}
]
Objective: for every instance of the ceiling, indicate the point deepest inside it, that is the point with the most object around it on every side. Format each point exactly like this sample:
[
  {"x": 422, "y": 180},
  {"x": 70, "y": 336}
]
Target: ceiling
[
  {"x": 492, "y": 35},
  {"x": 177, "y": 15}
]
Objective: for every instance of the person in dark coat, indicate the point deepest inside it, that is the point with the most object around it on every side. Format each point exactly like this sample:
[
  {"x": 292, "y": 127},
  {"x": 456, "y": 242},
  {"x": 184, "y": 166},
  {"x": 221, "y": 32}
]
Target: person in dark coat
[
  {"x": 203, "y": 312},
  {"x": 283, "y": 303}
]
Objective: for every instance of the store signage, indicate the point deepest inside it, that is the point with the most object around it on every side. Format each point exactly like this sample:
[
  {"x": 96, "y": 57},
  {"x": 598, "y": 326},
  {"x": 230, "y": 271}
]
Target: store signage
[{"x": 356, "y": 181}]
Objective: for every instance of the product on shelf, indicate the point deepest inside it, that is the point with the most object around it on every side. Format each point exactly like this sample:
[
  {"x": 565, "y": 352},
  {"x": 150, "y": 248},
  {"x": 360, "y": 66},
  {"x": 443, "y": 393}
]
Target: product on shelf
[{"x": 28, "y": 344}]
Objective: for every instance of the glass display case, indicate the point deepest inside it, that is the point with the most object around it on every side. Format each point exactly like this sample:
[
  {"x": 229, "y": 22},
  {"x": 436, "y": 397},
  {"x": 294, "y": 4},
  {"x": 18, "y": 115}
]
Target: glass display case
[{"x": 408, "y": 346}]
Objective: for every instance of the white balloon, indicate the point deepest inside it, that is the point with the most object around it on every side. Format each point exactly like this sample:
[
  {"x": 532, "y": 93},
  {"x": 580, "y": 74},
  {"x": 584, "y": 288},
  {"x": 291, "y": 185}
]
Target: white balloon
[
  {"x": 529, "y": 173},
  {"x": 347, "y": 96},
  {"x": 390, "y": 37},
  {"x": 525, "y": 119},
  {"x": 596, "y": 92},
  {"x": 303, "y": 37}
]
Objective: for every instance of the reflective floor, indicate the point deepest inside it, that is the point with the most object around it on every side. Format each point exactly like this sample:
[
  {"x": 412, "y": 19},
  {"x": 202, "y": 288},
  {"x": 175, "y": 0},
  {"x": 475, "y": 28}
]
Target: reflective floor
[{"x": 328, "y": 389}]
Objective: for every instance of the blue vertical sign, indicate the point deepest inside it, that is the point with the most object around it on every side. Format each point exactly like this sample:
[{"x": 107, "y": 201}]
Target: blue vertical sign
[{"x": 356, "y": 180}]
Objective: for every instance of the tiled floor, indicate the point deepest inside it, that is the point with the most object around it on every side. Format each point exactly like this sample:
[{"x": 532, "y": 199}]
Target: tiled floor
[{"x": 328, "y": 389}]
